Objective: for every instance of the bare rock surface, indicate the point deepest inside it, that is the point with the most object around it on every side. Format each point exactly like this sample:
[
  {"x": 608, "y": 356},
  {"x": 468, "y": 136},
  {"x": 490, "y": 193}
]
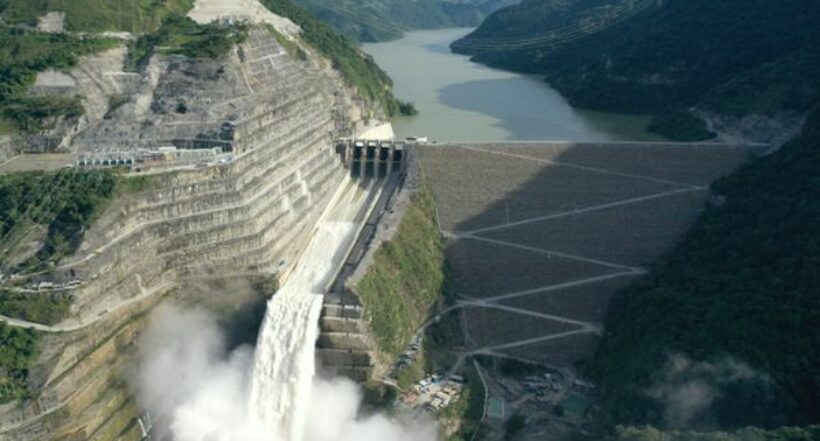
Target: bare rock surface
[{"x": 206, "y": 11}]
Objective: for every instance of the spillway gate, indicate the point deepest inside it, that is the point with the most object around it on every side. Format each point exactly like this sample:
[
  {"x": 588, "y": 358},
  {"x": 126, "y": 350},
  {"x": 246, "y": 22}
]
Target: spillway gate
[{"x": 370, "y": 158}]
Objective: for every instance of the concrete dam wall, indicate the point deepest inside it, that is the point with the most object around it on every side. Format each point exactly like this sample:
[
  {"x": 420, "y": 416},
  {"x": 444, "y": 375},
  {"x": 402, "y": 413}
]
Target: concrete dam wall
[{"x": 244, "y": 217}]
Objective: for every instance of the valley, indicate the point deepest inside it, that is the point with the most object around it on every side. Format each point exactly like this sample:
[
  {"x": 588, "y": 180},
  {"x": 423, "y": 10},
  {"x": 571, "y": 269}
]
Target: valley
[
  {"x": 463, "y": 101},
  {"x": 571, "y": 220}
]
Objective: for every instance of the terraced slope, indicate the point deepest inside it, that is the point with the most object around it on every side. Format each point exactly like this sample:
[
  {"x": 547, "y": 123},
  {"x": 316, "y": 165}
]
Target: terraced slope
[{"x": 190, "y": 234}]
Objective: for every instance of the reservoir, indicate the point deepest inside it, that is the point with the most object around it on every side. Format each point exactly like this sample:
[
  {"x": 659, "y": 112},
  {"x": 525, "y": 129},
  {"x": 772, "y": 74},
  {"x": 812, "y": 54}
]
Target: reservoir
[{"x": 459, "y": 100}]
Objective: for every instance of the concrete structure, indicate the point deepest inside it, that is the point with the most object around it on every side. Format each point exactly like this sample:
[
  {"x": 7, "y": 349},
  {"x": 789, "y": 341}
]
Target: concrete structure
[
  {"x": 345, "y": 346},
  {"x": 543, "y": 234},
  {"x": 197, "y": 235},
  {"x": 159, "y": 159},
  {"x": 372, "y": 158}
]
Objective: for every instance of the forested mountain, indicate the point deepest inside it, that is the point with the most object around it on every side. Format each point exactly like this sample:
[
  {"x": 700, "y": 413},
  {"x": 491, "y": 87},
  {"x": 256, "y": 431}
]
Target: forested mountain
[
  {"x": 748, "y": 434},
  {"x": 732, "y": 57},
  {"x": 379, "y": 20},
  {"x": 723, "y": 332}
]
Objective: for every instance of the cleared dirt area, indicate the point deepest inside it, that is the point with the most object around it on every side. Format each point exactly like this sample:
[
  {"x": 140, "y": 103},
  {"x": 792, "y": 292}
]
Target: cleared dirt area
[
  {"x": 542, "y": 236},
  {"x": 477, "y": 267}
]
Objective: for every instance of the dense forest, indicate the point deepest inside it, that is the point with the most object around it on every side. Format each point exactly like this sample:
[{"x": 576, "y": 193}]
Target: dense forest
[
  {"x": 370, "y": 21},
  {"x": 18, "y": 349},
  {"x": 61, "y": 204},
  {"x": 733, "y": 57},
  {"x": 749, "y": 434},
  {"x": 732, "y": 312}
]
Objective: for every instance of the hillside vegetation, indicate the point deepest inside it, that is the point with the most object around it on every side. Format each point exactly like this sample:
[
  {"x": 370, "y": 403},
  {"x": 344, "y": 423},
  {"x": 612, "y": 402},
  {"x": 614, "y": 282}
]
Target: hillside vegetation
[
  {"x": 406, "y": 278},
  {"x": 159, "y": 24},
  {"x": 63, "y": 204},
  {"x": 749, "y": 434},
  {"x": 18, "y": 349},
  {"x": 734, "y": 57},
  {"x": 739, "y": 299},
  {"x": 358, "y": 68},
  {"x": 136, "y": 16},
  {"x": 22, "y": 55},
  {"x": 182, "y": 36},
  {"x": 370, "y": 21},
  {"x": 53, "y": 211}
]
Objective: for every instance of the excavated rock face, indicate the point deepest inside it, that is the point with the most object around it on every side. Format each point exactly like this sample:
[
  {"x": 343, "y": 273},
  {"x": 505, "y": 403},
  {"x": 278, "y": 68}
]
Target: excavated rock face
[{"x": 243, "y": 217}]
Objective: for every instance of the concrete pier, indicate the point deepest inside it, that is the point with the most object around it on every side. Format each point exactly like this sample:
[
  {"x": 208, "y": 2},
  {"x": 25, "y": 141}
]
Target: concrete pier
[{"x": 371, "y": 158}]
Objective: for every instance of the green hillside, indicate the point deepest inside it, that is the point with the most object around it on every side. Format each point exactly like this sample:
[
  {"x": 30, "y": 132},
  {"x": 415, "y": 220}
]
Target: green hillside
[
  {"x": 22, "y": 55},
  {"x": 406, "y": 279},
  {"x": 740, "y": 290},
  {"x": 357, "y": 67},
  {"x": 18, "y": 349},
  {"x": 61, "y": 204},
  {"x": 137, "y": 16},
  {"x": 732, "y": 57},
  {"x": 380, "y": 20},
  {"x": 749, "y": 434}
]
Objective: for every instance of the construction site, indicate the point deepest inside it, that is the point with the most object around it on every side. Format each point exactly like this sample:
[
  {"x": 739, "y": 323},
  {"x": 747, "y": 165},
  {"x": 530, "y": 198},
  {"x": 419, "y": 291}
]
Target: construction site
[
  {"x": 240, "y": 160},
  {"x": 237, "y": 162}
]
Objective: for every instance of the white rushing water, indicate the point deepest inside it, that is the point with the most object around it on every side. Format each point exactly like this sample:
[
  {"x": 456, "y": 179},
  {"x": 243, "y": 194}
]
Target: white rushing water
[
  {"x": 284, "y": 362},
  {"x": 206, "y": 393}
]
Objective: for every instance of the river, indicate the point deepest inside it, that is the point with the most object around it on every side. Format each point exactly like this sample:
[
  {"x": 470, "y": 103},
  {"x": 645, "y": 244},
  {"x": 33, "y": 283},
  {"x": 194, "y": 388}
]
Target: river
[{"x": 459, "y": 100}]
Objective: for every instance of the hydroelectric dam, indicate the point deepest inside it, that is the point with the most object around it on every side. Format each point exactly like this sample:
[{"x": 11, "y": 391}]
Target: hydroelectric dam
[
  {"x": 284, "y": 370},
  {"x": 221, "y": 201},
  {"x": 255, "y": 171}
]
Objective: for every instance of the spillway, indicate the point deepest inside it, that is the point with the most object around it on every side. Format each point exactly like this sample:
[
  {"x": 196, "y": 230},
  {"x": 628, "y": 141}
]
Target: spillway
[{"x": 284, "y": 364}]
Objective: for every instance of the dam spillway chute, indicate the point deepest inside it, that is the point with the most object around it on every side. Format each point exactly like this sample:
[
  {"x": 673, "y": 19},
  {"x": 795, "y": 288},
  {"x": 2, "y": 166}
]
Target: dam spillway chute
[{"x": 284, "y": 365}]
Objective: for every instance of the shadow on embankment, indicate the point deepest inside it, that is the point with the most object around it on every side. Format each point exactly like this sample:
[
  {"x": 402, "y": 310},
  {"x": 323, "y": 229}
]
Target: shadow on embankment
[{"x": 543, "y": 236}]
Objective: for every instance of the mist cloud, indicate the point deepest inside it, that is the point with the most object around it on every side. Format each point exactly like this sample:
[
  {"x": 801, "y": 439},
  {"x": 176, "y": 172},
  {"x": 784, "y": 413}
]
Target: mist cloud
[
  {"x": 189, "y": 380},
  {"x": 688, "y": 389}
]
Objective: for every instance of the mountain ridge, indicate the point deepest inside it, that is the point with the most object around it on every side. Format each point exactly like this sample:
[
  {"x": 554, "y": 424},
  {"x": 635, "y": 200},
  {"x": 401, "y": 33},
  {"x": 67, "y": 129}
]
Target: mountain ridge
[{"x": 732, "y": 58}]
